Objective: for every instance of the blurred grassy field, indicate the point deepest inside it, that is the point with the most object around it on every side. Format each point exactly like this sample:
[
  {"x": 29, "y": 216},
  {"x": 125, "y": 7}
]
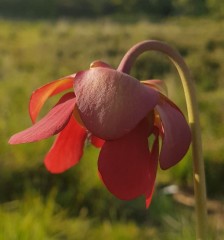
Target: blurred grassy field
[{"x": 74, "y": 205}]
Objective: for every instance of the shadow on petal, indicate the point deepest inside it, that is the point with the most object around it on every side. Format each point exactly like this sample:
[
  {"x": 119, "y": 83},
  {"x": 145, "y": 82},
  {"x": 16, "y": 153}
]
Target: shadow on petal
[{"x": 97, "y": 142}]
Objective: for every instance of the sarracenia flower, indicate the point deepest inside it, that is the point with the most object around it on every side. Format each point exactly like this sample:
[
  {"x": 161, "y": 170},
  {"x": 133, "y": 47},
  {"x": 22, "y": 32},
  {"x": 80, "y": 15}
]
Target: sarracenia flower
[{"x": 118, "y": 113}]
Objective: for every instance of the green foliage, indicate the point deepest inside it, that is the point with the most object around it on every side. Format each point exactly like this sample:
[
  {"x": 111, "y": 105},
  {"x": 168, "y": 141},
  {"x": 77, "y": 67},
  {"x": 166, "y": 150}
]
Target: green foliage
[
  {"x": 216, "y": 7},
  {"x": 87, "y": 8},
  {"x": 190, "y": 7},
  {"x": 33, "y": 218}
]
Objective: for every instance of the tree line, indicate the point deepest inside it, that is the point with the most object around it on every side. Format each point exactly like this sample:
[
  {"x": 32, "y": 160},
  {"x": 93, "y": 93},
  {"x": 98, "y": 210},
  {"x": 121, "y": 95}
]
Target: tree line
[{"x": 99, "y": 8}]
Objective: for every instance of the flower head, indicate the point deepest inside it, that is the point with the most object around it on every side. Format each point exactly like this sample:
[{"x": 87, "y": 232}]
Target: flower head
[{"x": 119, "y": 114}]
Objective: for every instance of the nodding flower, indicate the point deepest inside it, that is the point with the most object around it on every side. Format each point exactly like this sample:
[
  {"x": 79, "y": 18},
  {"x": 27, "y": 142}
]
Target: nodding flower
[{"x": 118, "y": 114}]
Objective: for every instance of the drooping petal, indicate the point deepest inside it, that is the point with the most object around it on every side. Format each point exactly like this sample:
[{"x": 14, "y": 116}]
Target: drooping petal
[
  {"x": 112, "y": 103},
  {"x": 176, "y": 137},
  {"x": 67, "y": 149},
  {"x": 157, "y": 84},
  {"x": 124, "y": 165},
  {"x": 154, "y": 157},
  {"x": 97, "y": 142},
  {"x": 39, "y": 96},
  {"x": 56, "y": 119}
]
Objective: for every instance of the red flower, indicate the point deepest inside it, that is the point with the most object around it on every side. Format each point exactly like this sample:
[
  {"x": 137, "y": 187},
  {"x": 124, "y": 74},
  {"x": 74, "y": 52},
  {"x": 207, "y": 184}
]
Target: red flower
[{"x": 119, "y": 113}]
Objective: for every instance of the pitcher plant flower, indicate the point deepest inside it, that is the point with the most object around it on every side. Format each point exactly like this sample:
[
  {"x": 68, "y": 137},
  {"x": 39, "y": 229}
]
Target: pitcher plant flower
[{"x": 117, "y": 113}]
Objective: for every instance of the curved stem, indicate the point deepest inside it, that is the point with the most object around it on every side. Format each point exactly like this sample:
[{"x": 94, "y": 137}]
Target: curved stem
[{"x": 193, "y": 117}]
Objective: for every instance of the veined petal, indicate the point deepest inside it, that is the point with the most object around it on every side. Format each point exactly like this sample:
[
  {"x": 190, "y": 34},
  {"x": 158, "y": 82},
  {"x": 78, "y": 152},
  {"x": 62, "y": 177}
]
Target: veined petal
[
  {"x": 97, "y": 142},
  {"x": 176, "y": 137},
  {"x": 56, "y": 119},
  {"x": 124, "y": 164},
  {"x": 39, "y": 96},
  {"x": 67, "y": 149},
  {"x": 112, "y": 103}
]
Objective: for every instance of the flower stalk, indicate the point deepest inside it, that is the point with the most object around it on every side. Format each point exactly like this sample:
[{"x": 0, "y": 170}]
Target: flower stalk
[{"x": 193, "y": 118}]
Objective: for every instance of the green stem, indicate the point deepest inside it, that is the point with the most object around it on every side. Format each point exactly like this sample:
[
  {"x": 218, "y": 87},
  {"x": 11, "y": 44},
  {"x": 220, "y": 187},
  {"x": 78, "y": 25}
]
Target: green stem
[{"x": 193, "y": 117}]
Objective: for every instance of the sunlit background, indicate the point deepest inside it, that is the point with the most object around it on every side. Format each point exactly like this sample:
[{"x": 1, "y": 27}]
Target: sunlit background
[{"x": 41, "y": 41}]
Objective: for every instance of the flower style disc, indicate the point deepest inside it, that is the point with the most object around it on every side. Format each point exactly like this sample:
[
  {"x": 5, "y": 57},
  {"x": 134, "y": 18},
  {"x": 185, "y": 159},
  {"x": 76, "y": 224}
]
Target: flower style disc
[{"x": 111, "y": 103}]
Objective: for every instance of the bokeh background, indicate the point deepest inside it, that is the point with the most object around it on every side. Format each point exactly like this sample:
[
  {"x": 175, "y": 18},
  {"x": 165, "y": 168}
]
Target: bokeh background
[{"x": 42, "y": 41}]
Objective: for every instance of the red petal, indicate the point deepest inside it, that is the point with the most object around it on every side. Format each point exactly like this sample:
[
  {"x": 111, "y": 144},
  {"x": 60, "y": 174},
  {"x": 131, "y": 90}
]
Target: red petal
[
  {"x": 124, "y": 164},
  {"x": 177, "y": 135},
  {"x": 153, "y": 170},
  {"x": 51, "y": 124},
  {"x": 39, "y": 96},
  {"x": 67, "y": 148},
  {"x": 157, "y": 84},
  {"x": 112, "y": 103},
  {"x": 97, "y": 142}
]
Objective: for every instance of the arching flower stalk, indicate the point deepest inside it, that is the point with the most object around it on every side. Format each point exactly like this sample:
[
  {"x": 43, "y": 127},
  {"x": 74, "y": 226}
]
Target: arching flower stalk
[
  {"x": 193, "y": 118},
  {"x": 117, "y": 113}
]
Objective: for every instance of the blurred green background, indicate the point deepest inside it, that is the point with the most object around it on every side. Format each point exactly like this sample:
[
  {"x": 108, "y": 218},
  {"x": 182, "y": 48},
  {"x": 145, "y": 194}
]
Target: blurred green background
[{"x": 44, "y": 40}]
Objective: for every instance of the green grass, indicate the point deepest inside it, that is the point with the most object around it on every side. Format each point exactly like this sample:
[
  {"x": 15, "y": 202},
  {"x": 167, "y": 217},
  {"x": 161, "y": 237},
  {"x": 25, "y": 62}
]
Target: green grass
[
  {"x": 34, "y": 53},
  {"x": 33, "y": 218}
]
